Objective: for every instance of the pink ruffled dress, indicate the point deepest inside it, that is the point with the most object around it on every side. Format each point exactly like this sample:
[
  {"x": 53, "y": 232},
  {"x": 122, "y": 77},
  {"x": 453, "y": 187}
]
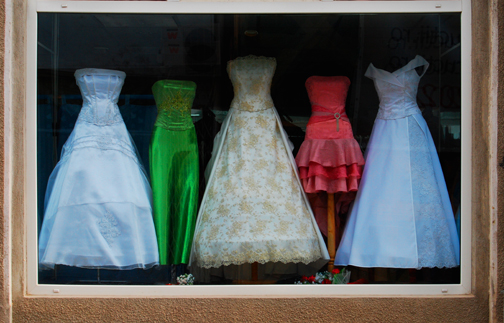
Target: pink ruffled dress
[{"x": 330, "y": 159}]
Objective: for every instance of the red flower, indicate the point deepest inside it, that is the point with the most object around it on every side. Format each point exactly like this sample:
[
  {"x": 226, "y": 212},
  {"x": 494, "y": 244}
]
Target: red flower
[
  {"x": 311, "y": 279},
  {"x": 304, "y": 278},
  {"x": 326, "y": 281},
  {"x": 335, "y": 271}
]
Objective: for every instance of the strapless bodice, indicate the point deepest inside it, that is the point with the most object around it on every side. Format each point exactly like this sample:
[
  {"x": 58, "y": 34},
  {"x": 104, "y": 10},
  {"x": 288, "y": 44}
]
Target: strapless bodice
[
  {"x": 328, "y": 93},
  {"x": 100, "y": 91},
  {"x": 397, "y": 91},
  {"x": 174, "y": 100},
  {"x": 328, "y": 96},
  {"x": 251, "y": 77}
]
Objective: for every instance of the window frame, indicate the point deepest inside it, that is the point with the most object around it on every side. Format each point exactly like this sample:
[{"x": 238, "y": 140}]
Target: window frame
[{"x": 168, "y": 7}]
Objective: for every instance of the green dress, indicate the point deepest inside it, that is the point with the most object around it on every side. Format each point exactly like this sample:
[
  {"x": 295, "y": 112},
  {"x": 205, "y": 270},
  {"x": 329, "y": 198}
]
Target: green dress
[{"x": 173, "y": 155}]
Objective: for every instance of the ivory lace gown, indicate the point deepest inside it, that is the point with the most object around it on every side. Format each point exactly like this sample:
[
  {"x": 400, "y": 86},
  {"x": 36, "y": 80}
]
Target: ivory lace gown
[
  {"x": 98, "y": 211},
  {"x": 254, "y": 208},
  {"x": 402, "y": 216}
]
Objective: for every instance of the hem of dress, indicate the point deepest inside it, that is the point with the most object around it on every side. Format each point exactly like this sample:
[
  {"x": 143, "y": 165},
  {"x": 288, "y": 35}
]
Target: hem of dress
[
  {"x": 50, "y": 266},
  {"x": 304, "y": 261}
]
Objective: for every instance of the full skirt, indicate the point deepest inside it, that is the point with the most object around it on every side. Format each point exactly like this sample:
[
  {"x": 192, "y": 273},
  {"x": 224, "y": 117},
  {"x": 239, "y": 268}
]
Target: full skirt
[
  {"x": 254, "y": 208},
  {"x": 98, "y": 210},
  {"x": 402, "y": 216}
]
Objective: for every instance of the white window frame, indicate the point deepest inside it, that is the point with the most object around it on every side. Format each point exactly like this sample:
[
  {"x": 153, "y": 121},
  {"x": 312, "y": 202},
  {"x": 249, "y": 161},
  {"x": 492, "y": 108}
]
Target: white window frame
[{"x": 161, "y": 7}]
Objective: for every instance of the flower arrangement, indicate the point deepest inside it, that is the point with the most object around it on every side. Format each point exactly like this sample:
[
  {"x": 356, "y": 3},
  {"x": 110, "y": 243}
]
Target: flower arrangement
[
  {"x": 185, "y": 279},
  {"x": 336, "y": 276}
]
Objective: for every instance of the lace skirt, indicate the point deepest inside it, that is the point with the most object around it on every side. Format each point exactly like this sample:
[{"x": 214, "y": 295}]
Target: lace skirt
[{"x": 254, "y": 209}]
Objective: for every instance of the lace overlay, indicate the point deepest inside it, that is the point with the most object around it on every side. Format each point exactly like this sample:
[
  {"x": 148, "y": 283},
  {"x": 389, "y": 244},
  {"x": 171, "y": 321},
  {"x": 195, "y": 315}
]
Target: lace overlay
[
  {"x": 252, "y": 77},
  {"x": 254, "y": 210},
  {"x": 109, "y": 227},
  {"x": 435, "y": 248}
]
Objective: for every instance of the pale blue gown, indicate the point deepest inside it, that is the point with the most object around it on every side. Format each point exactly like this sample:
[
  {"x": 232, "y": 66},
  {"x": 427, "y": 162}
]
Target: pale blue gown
[
  {"x": 402, "y": 216},
  {"x": 98, "y": 211}
]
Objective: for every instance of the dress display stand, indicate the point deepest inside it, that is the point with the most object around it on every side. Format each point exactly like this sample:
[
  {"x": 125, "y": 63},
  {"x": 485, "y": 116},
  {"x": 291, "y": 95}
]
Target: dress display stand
[
  {"x": 173, "y": 155},
  {"x": 330, "y": 159},
  {"x": 98, "y": 210},
  {"x": 254, "y": 209},
  {"x": 401, "y": 217}
]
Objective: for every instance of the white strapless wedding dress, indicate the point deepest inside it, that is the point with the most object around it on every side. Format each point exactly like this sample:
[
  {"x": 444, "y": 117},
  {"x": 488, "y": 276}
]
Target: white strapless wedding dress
[{"x": 98, "y": 203}]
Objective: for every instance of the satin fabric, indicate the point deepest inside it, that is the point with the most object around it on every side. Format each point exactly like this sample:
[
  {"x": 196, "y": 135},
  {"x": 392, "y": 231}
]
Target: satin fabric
[
  {"x": 402, "y": 216},
  {"x": 98, "y": 201},
  {"x": 329, "y": 159},
  {"x": 173, "y": 155}
]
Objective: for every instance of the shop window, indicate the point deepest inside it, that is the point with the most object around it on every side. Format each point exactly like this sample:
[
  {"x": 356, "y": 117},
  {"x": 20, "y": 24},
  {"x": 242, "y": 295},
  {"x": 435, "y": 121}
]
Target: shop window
[{"x": 214, "y": 145}]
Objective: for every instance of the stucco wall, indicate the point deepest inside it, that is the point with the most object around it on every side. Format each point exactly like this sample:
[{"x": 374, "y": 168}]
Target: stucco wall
[
  {"x": 499, "y": 304},
  {"x": 4, "y": 281},
  {"x": 472, "y": 308}
]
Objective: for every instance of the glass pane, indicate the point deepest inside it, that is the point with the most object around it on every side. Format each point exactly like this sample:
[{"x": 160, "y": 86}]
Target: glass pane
[{"x": 165, "y": 140}]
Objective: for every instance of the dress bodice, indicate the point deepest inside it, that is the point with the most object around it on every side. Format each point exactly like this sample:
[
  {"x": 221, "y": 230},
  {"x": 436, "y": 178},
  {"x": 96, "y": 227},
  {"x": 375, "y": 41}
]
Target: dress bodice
[
  {"x": 100, "y": 91},
  {"x": 174, "y": 100},
  {"x": 251, "y": 77},
  {"x": 397, "y": 91},
  {"x": 328, "y": 93},
  {"x": 328, "y": 96}
]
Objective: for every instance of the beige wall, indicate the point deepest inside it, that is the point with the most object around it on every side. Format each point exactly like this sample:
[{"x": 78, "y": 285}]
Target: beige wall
[
  {"x": 500, "y": 229},
  {"x": 472, "y": 308}
]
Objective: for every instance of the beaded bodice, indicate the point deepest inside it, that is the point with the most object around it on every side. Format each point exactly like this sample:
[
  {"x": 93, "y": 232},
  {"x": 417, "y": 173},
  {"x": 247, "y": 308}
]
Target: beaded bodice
[
  {"x": 174, "y": 100},
  {"x": 251, "y": 77},
  {"x": 100, "y": 91},
  {"x": 398, "y": 90}
]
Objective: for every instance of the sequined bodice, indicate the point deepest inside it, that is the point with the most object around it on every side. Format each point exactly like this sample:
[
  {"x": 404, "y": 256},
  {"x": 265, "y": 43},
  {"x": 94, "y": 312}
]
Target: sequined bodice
[
  {"x": 100, "y": 91},
  {"x": 397, "y": 91},
  {"x": 174, "y": 100},
  {"x": 251, "y": 77}
]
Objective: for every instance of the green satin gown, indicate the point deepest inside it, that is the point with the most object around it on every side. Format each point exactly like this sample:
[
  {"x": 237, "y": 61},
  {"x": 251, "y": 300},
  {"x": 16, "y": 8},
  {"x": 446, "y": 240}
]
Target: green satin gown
[{"x": 173, "y": 155}]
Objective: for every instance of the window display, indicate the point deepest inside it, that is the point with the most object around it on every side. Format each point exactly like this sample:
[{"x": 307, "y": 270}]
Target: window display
[
  {"x": 174, "y": 170},
  {"x": 402, "y": 216},
  {"x": 228, "y": 202}
]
